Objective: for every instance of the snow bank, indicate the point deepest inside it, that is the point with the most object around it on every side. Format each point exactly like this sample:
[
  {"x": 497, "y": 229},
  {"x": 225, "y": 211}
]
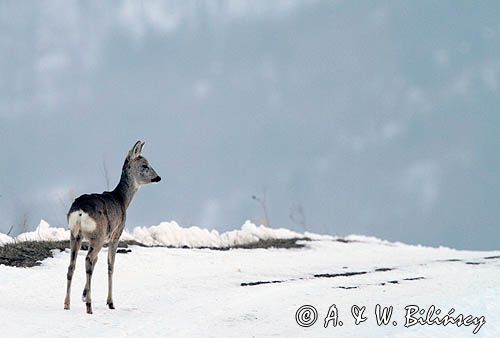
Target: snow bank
[
  {"x": 170, "y": 234},
  {"x": 4, "y": 239},
  {"x": 44, "y": 232},
  {"x": 370, "y": 239}
]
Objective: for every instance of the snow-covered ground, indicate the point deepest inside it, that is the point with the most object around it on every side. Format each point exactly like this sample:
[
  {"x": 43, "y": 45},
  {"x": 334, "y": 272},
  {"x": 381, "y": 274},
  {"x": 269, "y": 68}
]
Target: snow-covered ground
[{"x": 165, "y": 292}]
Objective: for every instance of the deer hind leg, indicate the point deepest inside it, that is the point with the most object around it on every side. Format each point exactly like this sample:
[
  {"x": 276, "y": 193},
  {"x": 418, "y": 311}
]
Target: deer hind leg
[
  {"x": 75, "y": 243},
  {"x": 113, "y": 245},
  {"x": 90, "y": 262}
]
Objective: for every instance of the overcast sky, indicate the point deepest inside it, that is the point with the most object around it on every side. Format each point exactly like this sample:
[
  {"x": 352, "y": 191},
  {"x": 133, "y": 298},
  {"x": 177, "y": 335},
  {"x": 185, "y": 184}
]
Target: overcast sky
[{"x": 377, "y": 118}]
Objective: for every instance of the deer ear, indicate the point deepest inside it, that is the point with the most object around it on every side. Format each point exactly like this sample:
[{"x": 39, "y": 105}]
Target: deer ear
[
  {"x": 136, "y": 150},
  {"x": 141, "y": 146}
]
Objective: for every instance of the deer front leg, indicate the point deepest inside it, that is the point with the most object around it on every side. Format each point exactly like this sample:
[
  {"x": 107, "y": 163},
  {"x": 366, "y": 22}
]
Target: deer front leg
[
  {"x": 90, "y": 262},
  {"x": 75, "y": 243},
  {"x": 113, "y": 245}
]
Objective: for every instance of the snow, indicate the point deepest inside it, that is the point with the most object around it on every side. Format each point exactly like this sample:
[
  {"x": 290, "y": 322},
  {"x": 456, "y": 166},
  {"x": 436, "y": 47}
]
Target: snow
[
  {"x": 5, "y": 239},
  {"x": 44, "y": 232},
  {"x": 172, "y": 234},
  {"x": 173, "y": 292}
]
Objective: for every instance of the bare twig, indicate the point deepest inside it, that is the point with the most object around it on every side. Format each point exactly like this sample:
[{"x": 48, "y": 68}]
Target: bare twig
[
  {"x": 105, "y": 172},
  {"x": 24, "y": 222},
  {"x": 66, "y": 199},
  {"x": 297, "y": 215},
  {"x": 263, "y": 203}
]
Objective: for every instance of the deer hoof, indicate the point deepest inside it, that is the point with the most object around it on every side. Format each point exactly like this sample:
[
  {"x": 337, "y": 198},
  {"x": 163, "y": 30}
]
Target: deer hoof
[
  {"x": 89, "y": 308},
  {"x": 111, "y": 306}
]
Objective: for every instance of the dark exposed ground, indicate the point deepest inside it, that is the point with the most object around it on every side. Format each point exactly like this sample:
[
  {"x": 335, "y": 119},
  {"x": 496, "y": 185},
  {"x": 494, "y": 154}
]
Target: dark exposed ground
[
  {"x": 31, "y": 253},
  {"x": 334, "y": 275},
  {"x": 289, "y": 243},
  {"x": 28, "y": 254}
]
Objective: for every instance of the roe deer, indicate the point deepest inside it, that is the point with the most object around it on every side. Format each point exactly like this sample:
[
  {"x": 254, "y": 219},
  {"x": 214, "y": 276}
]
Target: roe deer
[{"x": 101, "y": 217}]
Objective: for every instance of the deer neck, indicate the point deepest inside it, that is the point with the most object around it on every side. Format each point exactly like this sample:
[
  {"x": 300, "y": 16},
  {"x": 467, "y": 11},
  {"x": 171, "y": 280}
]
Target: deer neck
[{"x": 126, "y": 188}]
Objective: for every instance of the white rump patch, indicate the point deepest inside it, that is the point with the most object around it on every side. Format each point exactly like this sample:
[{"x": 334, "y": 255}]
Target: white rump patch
[
  {"x": 74, "y": 222},
  {"x": 81, "y": 220},
  {"x": 88, "y": 223}
]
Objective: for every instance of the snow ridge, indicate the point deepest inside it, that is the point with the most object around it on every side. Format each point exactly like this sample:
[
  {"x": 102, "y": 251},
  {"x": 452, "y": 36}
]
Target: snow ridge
[{"x": 172, "y": 234}]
